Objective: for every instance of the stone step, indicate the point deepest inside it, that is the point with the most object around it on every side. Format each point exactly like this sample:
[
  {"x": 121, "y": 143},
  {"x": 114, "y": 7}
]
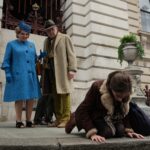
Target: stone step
[{"x": 44, "y": 138}]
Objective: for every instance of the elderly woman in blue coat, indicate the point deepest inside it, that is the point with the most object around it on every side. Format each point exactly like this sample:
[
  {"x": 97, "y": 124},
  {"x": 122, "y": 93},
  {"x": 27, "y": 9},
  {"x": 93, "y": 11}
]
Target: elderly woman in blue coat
[{"x": 21, "y": 78}]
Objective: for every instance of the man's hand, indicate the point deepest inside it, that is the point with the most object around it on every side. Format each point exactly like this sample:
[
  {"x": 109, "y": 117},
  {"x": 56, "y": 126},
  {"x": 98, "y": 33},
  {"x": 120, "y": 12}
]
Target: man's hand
[
  {"x": 71, "y": 75},
  {"x": 98, "y": 138}
]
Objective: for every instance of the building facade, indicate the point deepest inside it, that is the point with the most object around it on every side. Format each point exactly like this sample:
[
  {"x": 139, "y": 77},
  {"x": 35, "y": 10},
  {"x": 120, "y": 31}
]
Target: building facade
[{"x": 95, "y": 27}]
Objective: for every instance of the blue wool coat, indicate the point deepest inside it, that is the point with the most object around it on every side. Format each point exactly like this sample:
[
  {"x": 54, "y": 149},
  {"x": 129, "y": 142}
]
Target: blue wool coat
[{"x": 20, "y": 58}]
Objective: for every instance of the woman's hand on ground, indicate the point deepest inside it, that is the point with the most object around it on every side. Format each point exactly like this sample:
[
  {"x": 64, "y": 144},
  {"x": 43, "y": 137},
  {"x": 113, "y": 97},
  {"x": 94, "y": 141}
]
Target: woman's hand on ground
[
  {"x": 98, "y": 138},
  {"x": 135, "y": 135}
]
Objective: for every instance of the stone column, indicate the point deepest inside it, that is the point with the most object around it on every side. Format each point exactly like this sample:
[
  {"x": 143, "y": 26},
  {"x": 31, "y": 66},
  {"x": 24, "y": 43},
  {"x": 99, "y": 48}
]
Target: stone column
[
  {"x": 136, "y": 81},
  {"x": 138, "y": 95}
]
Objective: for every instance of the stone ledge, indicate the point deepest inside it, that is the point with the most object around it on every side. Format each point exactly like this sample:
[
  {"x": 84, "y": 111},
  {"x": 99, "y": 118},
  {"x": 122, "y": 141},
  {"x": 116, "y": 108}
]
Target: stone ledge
[
  {"x": 73, "y": 143},
  {"x": 44, "y": 138}
]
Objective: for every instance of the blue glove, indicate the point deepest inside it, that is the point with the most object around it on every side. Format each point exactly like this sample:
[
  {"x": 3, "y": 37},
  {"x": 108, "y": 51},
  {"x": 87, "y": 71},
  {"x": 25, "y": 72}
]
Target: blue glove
[
  {"x": 42, "y": 54},
  {"x": 8, "y": 75}
]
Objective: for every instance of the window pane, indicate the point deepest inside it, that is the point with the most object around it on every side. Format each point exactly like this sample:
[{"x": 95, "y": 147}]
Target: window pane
[
  {"x": 144, "y": 5},
  {"x": 145, "y": 14},
  {"x": 145, "y": 20}
]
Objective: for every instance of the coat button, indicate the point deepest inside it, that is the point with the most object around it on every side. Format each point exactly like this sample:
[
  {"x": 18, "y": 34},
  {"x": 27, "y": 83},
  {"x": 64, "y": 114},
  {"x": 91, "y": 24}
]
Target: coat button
[
  {"x": 26, "y": 51},
  {"x": 27, "y": 61}
]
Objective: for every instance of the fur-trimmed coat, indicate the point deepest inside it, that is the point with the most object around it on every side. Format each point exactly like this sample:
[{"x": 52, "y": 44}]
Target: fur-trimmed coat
[{"x": 98, "y": 104}]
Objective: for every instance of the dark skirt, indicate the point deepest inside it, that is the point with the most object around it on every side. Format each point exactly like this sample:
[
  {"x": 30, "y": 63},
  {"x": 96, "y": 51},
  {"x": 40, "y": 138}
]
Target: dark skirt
[{"x": 139, "y": 120}]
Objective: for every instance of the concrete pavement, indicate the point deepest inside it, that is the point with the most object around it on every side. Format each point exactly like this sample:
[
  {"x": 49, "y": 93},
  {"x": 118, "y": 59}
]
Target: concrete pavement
[{"x": 44, "y": 138}]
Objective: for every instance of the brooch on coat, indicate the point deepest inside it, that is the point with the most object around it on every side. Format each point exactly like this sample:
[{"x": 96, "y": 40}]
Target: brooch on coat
[{"x": 30, "y": 46}]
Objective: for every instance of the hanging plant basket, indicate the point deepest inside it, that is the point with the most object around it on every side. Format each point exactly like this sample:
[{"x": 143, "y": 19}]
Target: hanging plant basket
[
  {"x": 130, "y": 48},
  {"x": 130, "y": 52}
]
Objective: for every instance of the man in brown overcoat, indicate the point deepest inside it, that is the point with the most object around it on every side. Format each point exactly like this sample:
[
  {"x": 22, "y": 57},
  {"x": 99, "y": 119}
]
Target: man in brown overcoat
[{"x": 59, "y": 68}]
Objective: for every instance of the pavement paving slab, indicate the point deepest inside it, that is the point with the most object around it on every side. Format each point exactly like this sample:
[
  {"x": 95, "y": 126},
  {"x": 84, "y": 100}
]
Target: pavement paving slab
[{"x": 44, "y": 138}]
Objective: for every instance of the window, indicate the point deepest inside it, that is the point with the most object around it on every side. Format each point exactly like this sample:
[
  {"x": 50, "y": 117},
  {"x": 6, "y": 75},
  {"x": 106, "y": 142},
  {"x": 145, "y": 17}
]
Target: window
[
  {"x": 145, "y": 14},
  {"x": 34, "y": 12}
]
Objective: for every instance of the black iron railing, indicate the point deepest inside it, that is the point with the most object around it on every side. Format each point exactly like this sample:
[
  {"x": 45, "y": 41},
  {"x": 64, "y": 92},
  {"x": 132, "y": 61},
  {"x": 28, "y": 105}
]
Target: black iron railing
[{"x": 34, "y": 12}]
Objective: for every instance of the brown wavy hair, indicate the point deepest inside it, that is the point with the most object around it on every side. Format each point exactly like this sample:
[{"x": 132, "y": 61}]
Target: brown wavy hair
[{"x": 119, "y": 81}]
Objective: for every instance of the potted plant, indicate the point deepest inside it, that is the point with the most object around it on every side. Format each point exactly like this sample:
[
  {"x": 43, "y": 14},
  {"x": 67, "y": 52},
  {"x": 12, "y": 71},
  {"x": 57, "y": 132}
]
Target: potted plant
[{"x": 130, "y": 44}]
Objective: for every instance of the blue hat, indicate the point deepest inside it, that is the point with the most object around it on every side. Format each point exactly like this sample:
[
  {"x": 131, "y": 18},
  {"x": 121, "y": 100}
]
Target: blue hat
[{"x": 25, "y": 27}]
